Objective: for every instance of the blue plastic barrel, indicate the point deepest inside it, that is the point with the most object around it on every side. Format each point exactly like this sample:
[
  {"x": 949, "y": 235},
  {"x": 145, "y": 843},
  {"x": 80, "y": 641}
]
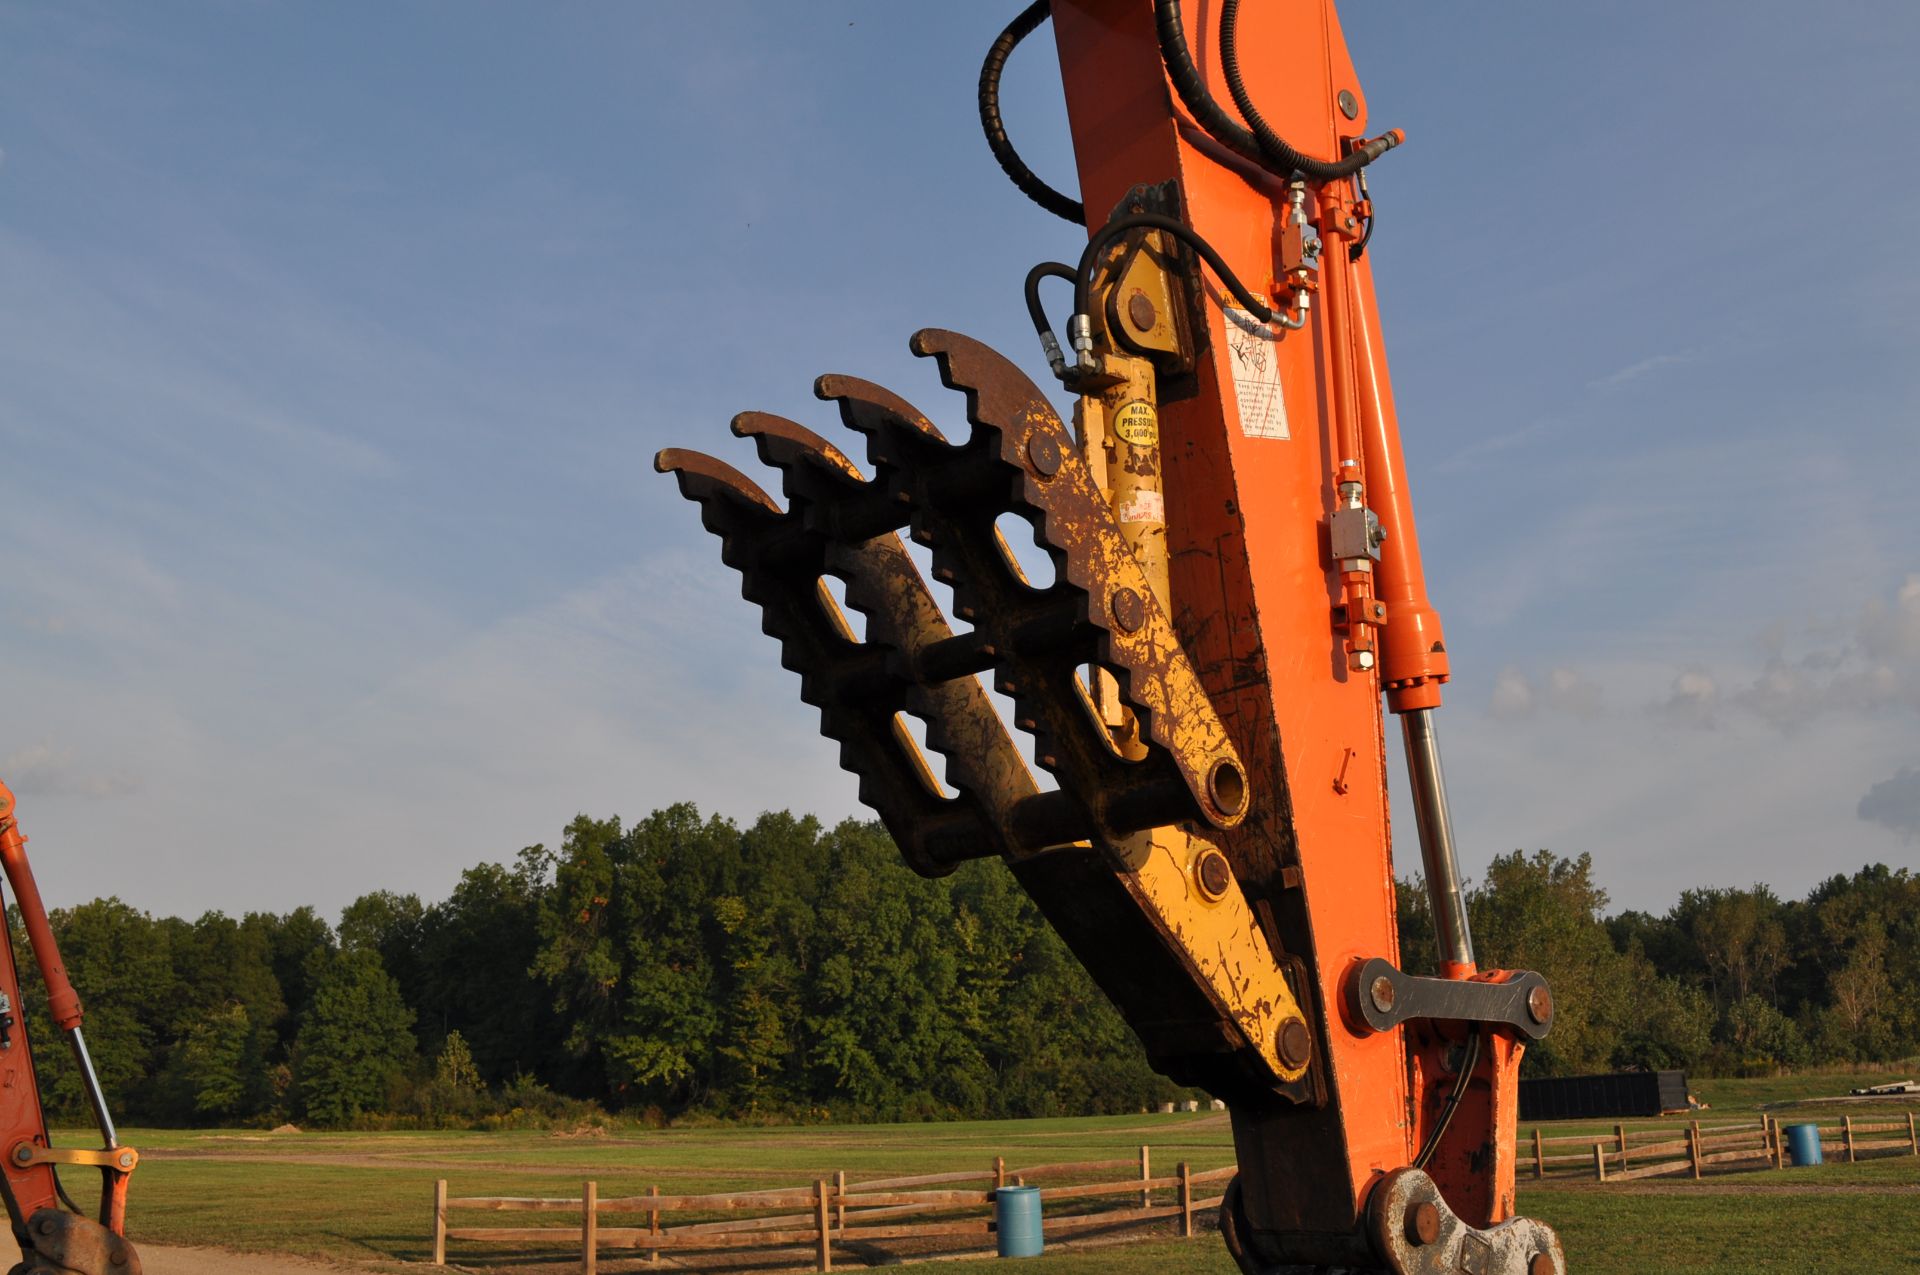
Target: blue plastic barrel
[
  {"x": 1016, "y": 1221},
  {"x": 1803, "y": 1143}
]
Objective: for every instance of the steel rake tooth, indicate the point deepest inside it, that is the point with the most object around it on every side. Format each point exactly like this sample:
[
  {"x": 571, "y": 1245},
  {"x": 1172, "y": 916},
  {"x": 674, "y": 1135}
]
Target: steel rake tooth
[
  {"x": 834, "y": 497},
  {"x": 787, "y": 445},
  {"x": 910, "y": 661},
  {"x": 865, "y": 407},
  {"x": 980, "y": 757},
  {"x": 997, "y": 391},
  {"x": 1156, "y": 679},
  {"x": 703, "y": 478},
  {"x": 899, "y": 437}
]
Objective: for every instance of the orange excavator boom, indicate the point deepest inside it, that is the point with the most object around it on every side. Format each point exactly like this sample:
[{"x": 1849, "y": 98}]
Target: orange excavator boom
[{"x": 1233, "y": 592}]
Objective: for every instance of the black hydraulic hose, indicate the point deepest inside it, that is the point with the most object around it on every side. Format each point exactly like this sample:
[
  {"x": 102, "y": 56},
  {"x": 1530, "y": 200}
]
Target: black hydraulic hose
[
  {"x": 1186, "y": 81},
  {"x": 1023, "y": 177},
  {"x": 1037, "y": 310},
  {"x": 1045, "y": 270},
  {"x": 1261, "y": 144},
  {"x": 1366, "y": 237},
  {"x": 1467, "y": 1064},
  {"x": 1083, "y": 277},
  {"x": 1270, "y": 142}
]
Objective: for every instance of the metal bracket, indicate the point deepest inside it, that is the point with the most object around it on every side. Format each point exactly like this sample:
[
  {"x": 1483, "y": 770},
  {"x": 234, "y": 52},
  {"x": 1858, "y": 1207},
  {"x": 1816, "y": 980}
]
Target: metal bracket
[
  {"x": 65, "y": 1244},
  {"x": 1383, "y": 997},
  {"x": 1415, "y": 1233},
  {"x": 119, "y": 1159},
  {"x": 1407, "y": 1229}
]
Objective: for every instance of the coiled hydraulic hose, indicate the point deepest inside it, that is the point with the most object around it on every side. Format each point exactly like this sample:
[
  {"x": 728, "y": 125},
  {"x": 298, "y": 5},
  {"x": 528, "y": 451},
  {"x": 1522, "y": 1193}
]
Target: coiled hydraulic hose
[
  {"x": 1261, "y": 145},
  {"x": 1023, "y": 177}
]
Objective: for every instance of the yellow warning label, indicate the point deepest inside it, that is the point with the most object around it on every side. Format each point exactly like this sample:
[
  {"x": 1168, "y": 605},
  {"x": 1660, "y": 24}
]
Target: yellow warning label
[{"x": 1137, "y": 424}]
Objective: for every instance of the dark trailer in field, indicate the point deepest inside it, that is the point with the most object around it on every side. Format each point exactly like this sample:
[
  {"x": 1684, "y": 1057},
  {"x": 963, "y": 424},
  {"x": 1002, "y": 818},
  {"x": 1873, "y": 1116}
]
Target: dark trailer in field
[{"x": 1625, "y": 1093}]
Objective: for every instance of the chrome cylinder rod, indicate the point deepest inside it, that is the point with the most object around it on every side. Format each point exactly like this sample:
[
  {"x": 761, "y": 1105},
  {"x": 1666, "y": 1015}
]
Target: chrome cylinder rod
[
  {"x": 91, "y": 1082},
  {"x": 1435, "y": 822}
]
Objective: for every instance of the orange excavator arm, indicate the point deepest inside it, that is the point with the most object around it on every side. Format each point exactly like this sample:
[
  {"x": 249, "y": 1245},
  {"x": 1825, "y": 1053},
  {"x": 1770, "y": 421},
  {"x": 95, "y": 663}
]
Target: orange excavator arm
[
  {"x": 1233, "y": 589},
  {"x": 54, "y": 1240}
]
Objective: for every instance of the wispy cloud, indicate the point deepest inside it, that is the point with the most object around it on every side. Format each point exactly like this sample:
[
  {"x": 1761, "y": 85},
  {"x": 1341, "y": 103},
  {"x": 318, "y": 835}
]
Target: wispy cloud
[
  {"x": 1870, "y": 667},
  {"x": 43, "y": 770},
  {"x": 1645, "y": 367},
  {"x": 1692, "y": 700},
  {"x": 1471, "y": 455},
  {"x": 1563, "y": 690}
]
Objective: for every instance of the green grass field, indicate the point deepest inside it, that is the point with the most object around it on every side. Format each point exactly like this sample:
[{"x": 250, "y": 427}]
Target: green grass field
[{"x": 366, "y": 1198}]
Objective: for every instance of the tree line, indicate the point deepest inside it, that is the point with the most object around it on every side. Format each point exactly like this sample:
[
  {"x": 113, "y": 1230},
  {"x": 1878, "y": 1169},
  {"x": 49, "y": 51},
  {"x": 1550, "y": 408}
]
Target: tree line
[{"x": 686, "y": 966}]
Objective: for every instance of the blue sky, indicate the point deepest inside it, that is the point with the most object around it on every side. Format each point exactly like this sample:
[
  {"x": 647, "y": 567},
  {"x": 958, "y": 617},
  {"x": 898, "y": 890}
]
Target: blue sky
[{"x": 335, "y": 341}]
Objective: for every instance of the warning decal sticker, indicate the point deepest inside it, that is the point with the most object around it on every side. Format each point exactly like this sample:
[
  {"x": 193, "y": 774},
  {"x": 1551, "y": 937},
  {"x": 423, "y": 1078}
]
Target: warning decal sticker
[
  {"x": 1254, "y": 359},
  {"x": 1137, "y": 424}
]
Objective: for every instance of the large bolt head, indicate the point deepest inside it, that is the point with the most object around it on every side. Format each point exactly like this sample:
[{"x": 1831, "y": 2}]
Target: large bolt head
[
  {"x": 1540, "y": 1007},
  {"x": 1423, "y": 1223},
  {"x": 1381, "y": 992},
  {"x": 1140, "y": 311},
  {"x": 1213, "y": 873},
  {"x": 1294, "y": 1043},
  {"x": 1043, "y": 455}
]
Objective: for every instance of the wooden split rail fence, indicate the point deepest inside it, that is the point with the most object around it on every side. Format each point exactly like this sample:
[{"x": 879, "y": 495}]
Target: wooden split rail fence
[
  {"x": 1649, "y": 1151},
  {"x": 835, "y": 1211}
]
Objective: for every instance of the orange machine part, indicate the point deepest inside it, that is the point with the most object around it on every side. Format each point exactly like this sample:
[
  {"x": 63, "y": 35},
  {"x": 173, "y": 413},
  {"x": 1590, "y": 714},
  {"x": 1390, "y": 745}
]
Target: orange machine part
[
  {"x": 1254, "y": 597},
  {"x": 21, "y": 1117}
]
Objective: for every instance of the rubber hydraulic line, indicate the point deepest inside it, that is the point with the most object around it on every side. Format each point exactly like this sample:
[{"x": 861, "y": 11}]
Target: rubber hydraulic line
[
  {"x": 1037, "y": 310},
  {"x": 1467, "y": 1064},
  {"x": 1282, "y": 158},
  {"x": 1359, "y": 248},
  {"x": 1023, "y": 177},
  {"x": 1083, "y": 280}
]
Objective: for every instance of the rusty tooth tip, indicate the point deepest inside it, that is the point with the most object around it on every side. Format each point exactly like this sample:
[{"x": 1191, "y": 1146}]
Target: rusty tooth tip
[
  {"x": 695, "y": 469},
  {"x": 866, "y": 408},
  {"x": 742, "y": 424},
  {"x": 933, "y": 342},
  {"x": 829, "y": 386}
]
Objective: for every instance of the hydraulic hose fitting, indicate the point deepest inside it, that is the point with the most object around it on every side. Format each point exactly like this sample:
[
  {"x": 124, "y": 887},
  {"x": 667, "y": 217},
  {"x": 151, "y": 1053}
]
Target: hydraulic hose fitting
[
  {"x": 1297, "y": 202},
  {"x": 1056, "y": 360},
  {"x": 1356, "y": 534},
  {"x": 1080, "y": 336},
  {"x": 1297, "y": 263}
]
